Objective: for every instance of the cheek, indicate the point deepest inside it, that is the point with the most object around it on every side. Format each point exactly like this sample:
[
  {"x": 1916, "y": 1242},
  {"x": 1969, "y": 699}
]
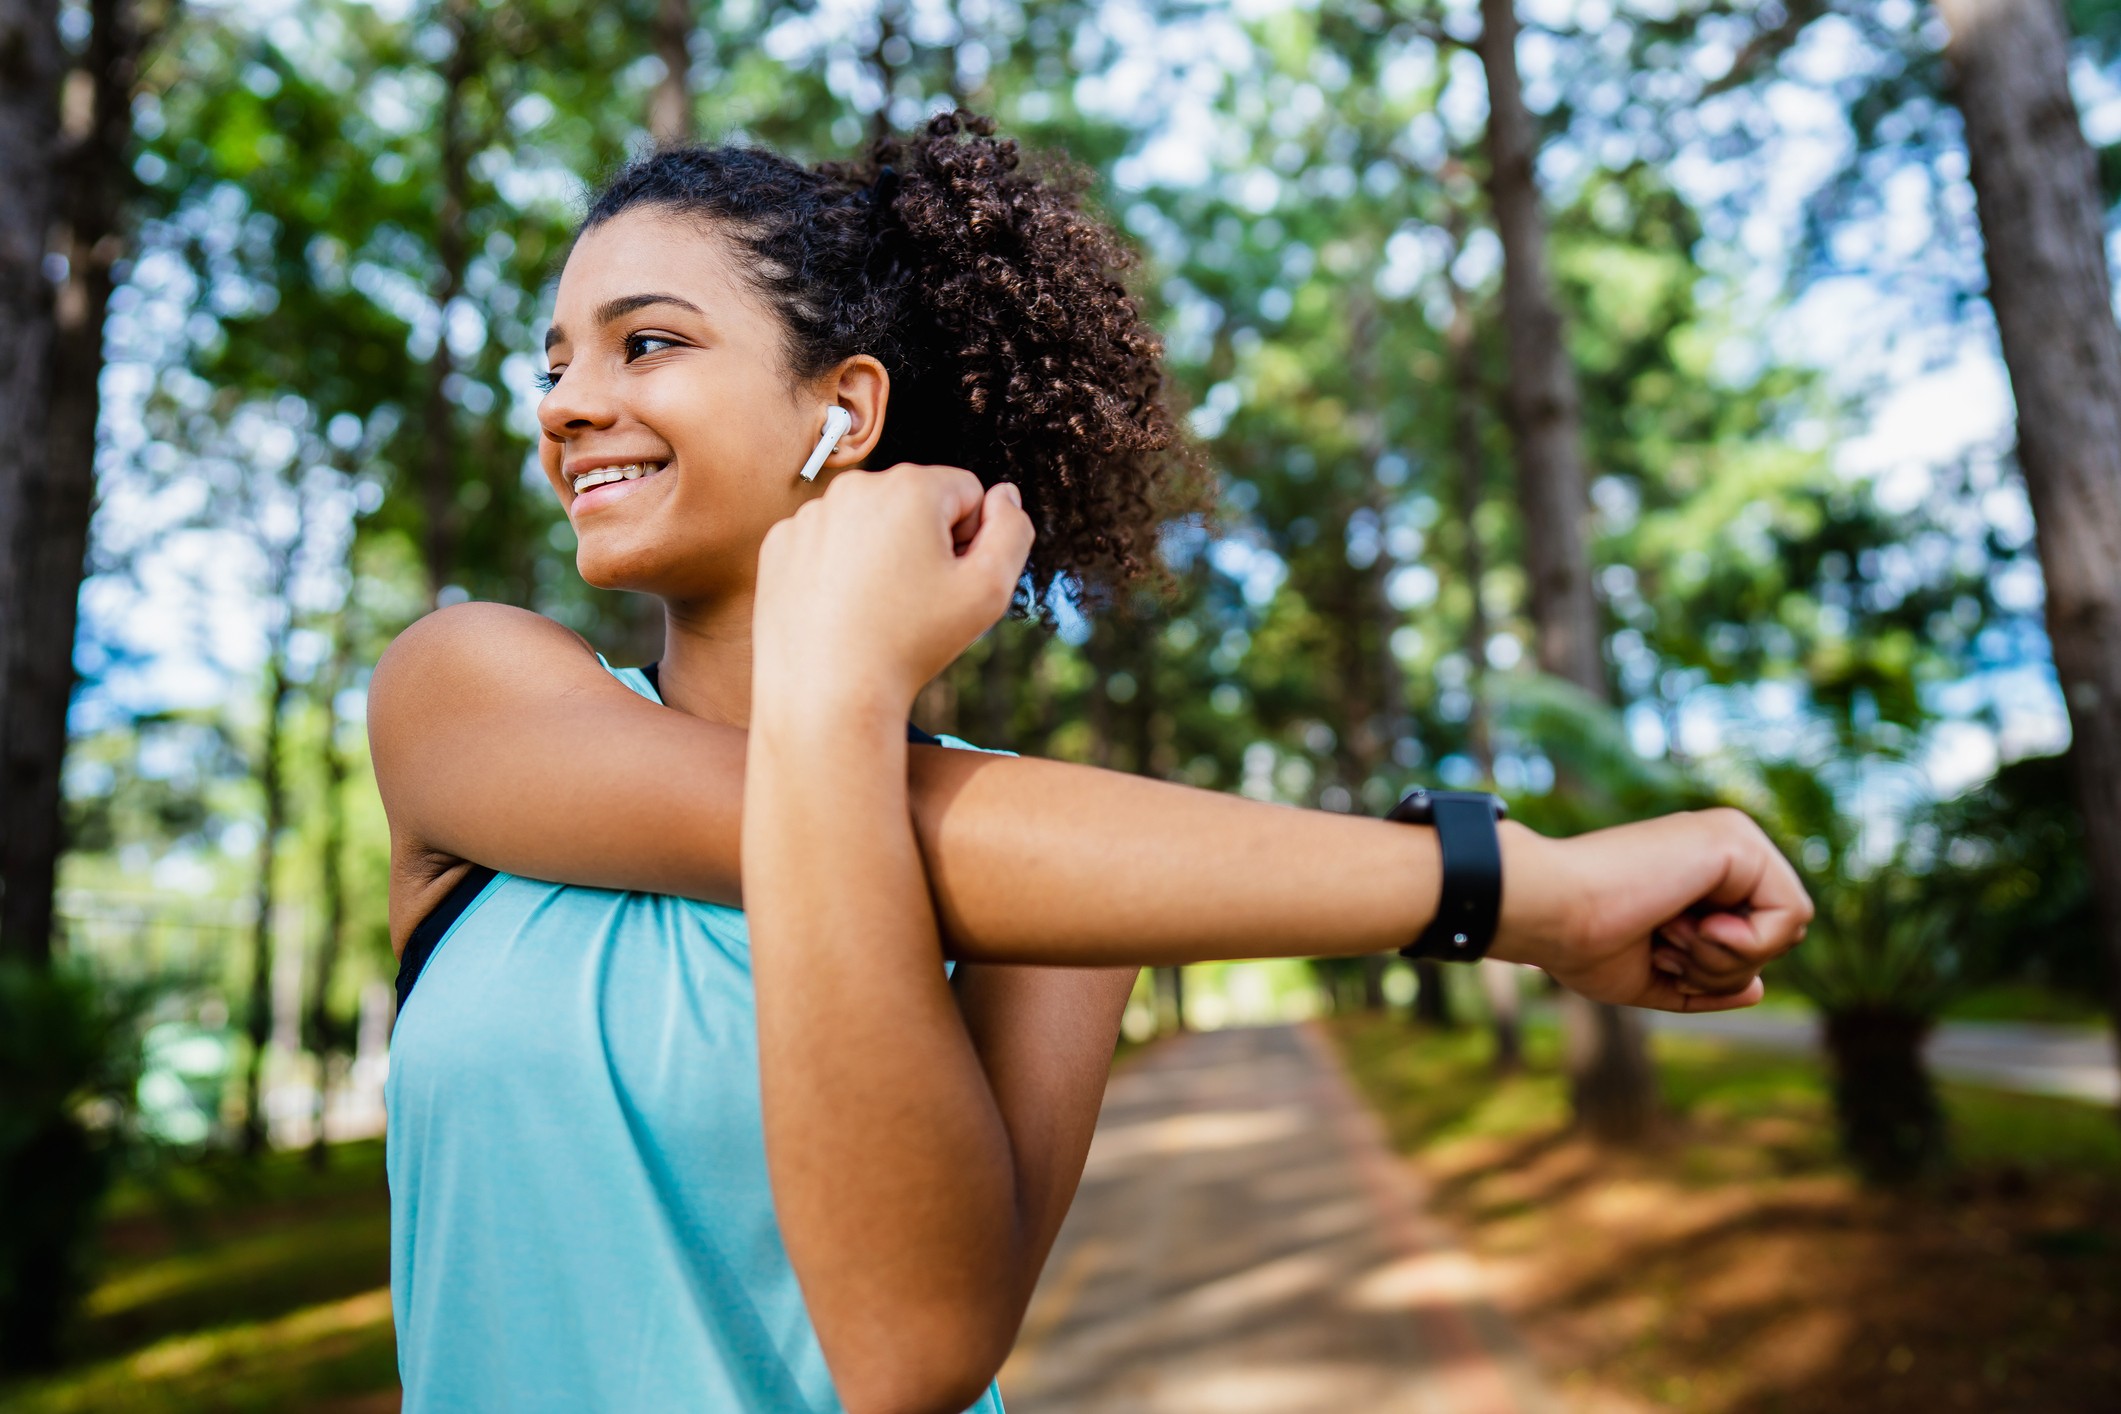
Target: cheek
[{"x": 732, "y": 434}]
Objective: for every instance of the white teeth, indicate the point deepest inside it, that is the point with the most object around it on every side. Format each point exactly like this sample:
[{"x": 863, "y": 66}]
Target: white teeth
[{"x": 604, "y": 475}]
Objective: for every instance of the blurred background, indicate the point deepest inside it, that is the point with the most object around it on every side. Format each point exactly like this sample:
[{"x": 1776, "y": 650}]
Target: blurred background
[{"x": 1614, "y": 403}]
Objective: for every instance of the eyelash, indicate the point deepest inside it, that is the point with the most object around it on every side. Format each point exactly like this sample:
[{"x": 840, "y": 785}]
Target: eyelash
[{"x": 547, "y": 381}]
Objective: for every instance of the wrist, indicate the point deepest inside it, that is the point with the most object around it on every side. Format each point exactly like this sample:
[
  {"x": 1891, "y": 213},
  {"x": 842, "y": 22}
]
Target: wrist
[
  {"x": 1537, "y": 924},
  {"x": 808, "y": 714}
]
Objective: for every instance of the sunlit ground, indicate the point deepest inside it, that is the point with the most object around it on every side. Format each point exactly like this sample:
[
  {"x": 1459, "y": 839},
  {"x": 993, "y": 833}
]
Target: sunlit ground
[
  {"x": 1736, "y": 1267},
  {"x": 238, "y": 1292}
]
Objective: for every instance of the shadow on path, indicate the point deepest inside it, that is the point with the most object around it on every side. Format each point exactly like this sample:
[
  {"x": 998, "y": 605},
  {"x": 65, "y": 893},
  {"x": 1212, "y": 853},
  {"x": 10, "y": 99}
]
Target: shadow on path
[{"x": 1244, "y": 1241}]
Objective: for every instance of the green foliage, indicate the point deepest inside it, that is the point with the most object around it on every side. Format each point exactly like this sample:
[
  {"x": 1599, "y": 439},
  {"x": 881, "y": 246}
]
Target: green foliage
[
  {"x": 355, "y": 217},
  {"x": 69, "y": 1057}
]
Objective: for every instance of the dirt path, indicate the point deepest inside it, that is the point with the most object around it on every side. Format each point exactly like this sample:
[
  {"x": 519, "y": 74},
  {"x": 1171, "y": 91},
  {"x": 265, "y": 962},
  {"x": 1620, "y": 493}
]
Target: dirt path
[{"x": 1244, "y": 1242}]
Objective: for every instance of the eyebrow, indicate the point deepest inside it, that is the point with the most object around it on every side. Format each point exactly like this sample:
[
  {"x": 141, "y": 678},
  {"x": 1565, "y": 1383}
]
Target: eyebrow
[{"x": 620, "y": 308}]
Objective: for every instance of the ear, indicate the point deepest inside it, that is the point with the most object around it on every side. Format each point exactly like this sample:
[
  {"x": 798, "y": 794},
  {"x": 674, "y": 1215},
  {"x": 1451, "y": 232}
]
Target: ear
[{"x": 861, "y": 386}]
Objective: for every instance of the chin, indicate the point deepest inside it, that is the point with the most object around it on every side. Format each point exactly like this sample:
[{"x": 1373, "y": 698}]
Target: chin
[{"x": 662, "y": 570}]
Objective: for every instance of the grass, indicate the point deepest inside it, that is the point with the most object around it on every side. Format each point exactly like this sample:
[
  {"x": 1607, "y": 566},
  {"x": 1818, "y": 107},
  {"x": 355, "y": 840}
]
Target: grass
[
  {"x": 2025, "y": 1001},
  {"x": 234, "y": 1287},
  {"x": 1735, "y": 1267}
]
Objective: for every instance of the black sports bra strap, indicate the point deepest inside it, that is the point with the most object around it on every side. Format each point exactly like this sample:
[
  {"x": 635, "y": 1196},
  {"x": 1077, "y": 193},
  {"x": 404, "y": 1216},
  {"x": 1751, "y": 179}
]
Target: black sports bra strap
[{"x": 428, "y": 932}]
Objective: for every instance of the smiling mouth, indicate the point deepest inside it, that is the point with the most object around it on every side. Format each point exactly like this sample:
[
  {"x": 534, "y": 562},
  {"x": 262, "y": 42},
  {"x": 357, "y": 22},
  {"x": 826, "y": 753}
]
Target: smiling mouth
[{"x": 605, "y": 475}]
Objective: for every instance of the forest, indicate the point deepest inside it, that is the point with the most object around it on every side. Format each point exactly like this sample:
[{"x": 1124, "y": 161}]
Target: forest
[{"x": 1624, "y": 405}]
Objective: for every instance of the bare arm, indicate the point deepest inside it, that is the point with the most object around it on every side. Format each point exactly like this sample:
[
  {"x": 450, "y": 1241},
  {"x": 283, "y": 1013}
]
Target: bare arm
[
  {"x": 498, "y": 738},
  {"x": 917, "y": 1190}
]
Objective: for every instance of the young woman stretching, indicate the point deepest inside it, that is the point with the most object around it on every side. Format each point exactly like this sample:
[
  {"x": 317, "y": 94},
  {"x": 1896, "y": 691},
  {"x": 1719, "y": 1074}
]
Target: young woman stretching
[{"x": 642, "y": 1158}]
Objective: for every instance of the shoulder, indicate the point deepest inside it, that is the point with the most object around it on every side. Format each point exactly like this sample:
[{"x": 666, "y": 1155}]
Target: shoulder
[
  {"x": 478, "y": 637},
  {"x": 468, "y": 654},
  {"x": 469, "y": 663}
]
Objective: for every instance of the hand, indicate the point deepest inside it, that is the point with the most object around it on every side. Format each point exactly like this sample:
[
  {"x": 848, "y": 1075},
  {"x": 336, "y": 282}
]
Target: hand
[
  {"x": 1678, "y": 913},
  {"x": 875, "y": 587}
]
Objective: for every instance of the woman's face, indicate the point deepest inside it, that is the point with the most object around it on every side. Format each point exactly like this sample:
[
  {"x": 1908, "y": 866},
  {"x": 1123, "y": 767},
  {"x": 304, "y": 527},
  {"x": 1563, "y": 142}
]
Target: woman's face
[{"x": 669, "y": 368}]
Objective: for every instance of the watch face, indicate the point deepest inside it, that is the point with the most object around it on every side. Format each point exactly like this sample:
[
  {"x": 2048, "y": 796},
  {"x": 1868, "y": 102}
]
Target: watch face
[{"x": 1418, "y": 806}]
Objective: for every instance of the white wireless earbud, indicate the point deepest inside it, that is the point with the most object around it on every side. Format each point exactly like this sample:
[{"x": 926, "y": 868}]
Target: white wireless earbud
[{"x": 837, "y": 421}]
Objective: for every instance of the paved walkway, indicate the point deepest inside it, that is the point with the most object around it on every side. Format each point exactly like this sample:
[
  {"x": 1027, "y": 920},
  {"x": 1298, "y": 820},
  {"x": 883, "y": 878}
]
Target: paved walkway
[
  {"x": 2032, "y": 1059},
  {"x": 1245, "y": 1244}
]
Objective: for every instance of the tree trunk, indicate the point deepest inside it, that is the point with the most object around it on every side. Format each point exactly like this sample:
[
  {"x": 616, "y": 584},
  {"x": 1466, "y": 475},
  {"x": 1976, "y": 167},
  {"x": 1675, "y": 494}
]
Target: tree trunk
[
  {"x": 325, "y": 1036},
  {"x": 1497, "y": 979},
  {"x": 1172, "y": 982},
  {"x": 1432, "y": 995},
  {"x": 438, "y": 470},
  {"x": 1469, "y": 397},
  {"x": 1373, "y": 981},
  {"x": 670, "y": 104},
  {"x": 1611, "y": 1082},
  {"x": 2036, "y": 189},
  {"x": 1892, "y": 1127},
  {"x": 55, "y": 490},
  {"x": 887, "y": 29},
  {"x": 1545, "y": 413},
  {"x": 258, "y": 1022},
  {"x": 1498, "y": 983},
  {"x": 30, "y": 65}
]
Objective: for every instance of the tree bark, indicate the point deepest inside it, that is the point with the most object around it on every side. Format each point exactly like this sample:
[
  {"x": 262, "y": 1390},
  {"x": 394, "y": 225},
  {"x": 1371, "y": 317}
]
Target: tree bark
[
  {"x": 325, "y": 1035},
  {"x": 54, "y": 483},
  {"x": 1498, "y": 984},
  {"x": 258, "y": 1021},
  {"x": 1469, "y": 397},
  {"x": 2036, "y": 190},
  {"x": 1892, "y": 1125},
  {"x": 438, "y": 470},
  {"x": 1545, "y": 411},
  {"x": 30, "y": 65},
  {"x": 1611, "y": 1082},
  {"x": 1432, "y": 996},
  {"x": 670, "y": 104}
]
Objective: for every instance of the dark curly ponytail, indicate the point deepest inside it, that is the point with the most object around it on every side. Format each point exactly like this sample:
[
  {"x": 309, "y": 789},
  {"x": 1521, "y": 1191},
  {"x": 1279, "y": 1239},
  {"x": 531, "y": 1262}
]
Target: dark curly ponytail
[{"x": 994, "y": 301}]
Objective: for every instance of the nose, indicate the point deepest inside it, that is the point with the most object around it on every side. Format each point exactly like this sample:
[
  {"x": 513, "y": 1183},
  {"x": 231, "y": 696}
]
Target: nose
[{"x": 576, "y": 404}]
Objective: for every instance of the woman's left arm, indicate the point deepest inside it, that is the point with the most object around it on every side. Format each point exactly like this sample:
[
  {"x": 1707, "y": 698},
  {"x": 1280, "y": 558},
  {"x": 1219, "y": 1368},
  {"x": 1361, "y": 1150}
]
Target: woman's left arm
[
  {"x": 1045, "y": 1038},
  {"x": 919, "y": 1160}
]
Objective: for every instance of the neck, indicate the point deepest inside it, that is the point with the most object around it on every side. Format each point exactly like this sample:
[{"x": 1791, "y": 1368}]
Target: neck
[{"x": 706, "y": 663}]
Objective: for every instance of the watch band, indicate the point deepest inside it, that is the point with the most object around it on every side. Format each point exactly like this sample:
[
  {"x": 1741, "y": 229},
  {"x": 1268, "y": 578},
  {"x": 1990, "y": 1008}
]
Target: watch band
[{"x": 1470, "y": 899}]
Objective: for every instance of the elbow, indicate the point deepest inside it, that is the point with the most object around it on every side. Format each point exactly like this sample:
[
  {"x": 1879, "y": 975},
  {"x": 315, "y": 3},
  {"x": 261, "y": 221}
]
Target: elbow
[
  {"x": 925, "y": 1375},
  {"x": 947, "y": 1388}
]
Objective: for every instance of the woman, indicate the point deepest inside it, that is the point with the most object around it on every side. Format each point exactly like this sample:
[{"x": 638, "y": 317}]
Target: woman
[{"x": 643, "y": 1158}]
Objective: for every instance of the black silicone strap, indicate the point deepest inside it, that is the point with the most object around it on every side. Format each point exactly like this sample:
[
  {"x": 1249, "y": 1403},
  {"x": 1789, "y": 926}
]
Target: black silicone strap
[{"x": 1471, "y": 895}]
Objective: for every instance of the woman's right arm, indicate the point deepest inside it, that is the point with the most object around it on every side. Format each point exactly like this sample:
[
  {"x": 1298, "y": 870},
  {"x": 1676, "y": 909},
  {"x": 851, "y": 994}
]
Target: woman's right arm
[{"x": 498, "y": 738}]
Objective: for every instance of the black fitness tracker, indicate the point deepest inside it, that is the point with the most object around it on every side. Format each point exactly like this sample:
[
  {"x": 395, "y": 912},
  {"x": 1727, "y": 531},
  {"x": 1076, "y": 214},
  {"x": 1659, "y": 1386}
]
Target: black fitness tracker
[{"x": 1471, "y": 897}]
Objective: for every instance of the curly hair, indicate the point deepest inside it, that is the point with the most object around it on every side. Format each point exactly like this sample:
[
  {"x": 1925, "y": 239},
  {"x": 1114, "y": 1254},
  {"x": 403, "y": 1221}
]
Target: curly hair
[{"x": 991, "y": 297}]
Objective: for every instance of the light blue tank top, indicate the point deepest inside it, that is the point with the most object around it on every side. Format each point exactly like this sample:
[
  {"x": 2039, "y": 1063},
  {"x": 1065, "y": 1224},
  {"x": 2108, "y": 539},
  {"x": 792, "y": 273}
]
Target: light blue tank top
[{"x": 580, "y": 1217}]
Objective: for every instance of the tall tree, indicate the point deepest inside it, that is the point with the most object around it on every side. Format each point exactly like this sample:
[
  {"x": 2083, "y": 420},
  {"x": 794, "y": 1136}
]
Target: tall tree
[
  {"x": 51, "y": 403},
  {"x": 1611, "y": 1082},
  {"x": 30, "y": 65},
  {"x": 2036, "y": 189},
  {"x": 440, "y": 491},
  {"x": 670, "y": 120},
  {"x": 324, "y": 1034}
]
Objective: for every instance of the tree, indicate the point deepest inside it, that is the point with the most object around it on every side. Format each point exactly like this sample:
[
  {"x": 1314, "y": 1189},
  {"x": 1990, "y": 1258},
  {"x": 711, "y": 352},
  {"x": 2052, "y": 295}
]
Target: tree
[
  {"x": 1611, "y": 1082},
  {"x": 29, "y": 131},
  {"x": 2043, "y": 229},
  {"x": 46, "y": 497},
  {"x": 670, "y": 106}
]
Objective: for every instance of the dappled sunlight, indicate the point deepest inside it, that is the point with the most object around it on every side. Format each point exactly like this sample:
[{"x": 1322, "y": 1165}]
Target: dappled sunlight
[
  {"x": 1424, "y": 1279},
  {"x": 1192, "y": 1133},
  {"x": 1735, "y": 1267},
  {"x": 337, "y": 1348}
]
